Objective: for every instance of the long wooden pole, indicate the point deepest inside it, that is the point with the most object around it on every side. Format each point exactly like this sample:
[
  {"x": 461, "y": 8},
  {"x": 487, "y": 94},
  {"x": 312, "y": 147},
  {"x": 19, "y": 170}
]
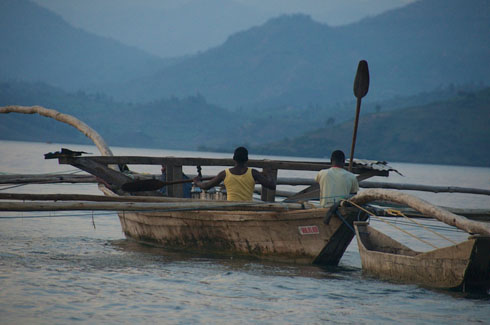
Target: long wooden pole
[
  {"x": 470, "y": 213},
  {"x": 46, "y": 179},
  {"x": 65, "y": 118},
  {"x": 424, "y": 188},
  {"x": 87, "y": 197},
  {"x": 424, "y": 207},
  {"x": 143, "y": 206},
  {"x": 70, "y": 178}
]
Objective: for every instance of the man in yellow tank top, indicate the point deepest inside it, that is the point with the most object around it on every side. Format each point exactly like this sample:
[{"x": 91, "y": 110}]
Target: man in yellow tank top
[{"x": 239, "y": 180}]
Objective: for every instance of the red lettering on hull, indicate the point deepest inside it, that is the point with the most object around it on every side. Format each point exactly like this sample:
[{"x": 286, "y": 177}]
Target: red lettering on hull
[{"x": 308, "y": 230}]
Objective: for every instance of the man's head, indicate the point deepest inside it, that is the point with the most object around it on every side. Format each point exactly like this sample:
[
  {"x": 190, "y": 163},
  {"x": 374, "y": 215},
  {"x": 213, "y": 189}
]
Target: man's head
[
  {"x": 338, "y": 158},
  {"x": 240, "y": 155}
]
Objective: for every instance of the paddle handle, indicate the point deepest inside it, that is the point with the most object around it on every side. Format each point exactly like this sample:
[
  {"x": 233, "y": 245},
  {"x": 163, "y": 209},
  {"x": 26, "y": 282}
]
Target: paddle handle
[{"x": 354, "y": 135}]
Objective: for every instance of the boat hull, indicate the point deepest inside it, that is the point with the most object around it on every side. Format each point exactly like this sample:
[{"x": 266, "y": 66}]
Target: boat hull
[
  {"x": 299, "y": 236},
  {"x": 462, "y": 266}
]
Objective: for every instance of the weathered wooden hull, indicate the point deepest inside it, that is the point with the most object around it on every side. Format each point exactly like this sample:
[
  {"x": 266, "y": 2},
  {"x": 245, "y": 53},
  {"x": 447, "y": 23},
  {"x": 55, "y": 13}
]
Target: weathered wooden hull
[
  {"x": 462, "y": 266},
  {"x": 299, "y": 236}
]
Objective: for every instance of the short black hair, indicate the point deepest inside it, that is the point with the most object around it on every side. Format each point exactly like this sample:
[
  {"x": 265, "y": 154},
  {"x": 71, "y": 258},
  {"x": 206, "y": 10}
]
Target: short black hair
[
  {"x": 241, "y": 154},
  {"x": 338, "y": 157}
]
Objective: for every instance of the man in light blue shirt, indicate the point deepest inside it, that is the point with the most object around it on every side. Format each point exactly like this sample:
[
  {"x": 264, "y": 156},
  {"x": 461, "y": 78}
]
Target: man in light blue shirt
[{"x": 336, "y": 183}]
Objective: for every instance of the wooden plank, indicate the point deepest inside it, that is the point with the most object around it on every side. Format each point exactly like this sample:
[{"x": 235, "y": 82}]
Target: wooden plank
[
  {"x": 46, "y": 178},
  {"x": 87, "y": 197},
  {"x": 269, "y": 195},
  {"x": 192, "y": 161},
  {"x": 91, "y": 166},
  {"x": 371, "y": 173},
  {"x": 309, "y": 193},
  {"x": 148, "y": 206},
  {"x": 174, "y": 173},
  {"x": 280, "y": 180}
]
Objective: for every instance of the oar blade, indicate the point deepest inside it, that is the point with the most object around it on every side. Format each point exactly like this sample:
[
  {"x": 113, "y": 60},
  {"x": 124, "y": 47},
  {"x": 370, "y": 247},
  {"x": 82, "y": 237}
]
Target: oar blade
[{"x": 361, "y": 82}]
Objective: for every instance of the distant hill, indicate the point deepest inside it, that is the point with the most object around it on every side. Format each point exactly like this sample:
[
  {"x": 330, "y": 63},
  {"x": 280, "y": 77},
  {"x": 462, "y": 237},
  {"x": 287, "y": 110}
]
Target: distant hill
[
  {"x": 453, "y": 131},
  {"x": 183, "y": 27},
  {"x": 164, "y": 28},
  {"x": 290, "y": 61},
  {"x": 38, "y": 45},
  {"x": 168, "y": 123},
  {"x": 293, "y": 60}
]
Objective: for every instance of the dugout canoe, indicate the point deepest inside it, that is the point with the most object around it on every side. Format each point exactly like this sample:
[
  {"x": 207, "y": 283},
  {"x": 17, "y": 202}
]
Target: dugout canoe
[
  {"x": 464, "y": 266},
  {"x": 294, "y": 236},
  {"x": 280, "y": 231}
]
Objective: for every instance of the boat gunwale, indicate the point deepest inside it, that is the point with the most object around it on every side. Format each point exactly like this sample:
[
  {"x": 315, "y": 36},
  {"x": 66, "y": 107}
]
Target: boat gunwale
[
  {"x": 418, "y": 254},
  {"x": 236, "y": 216}
]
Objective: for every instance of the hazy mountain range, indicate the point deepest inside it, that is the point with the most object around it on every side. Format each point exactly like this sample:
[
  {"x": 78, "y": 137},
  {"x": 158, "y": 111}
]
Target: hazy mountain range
[
  {"x": 171, "y": 28},
  {"x": 284, "y": 78},
  {"x": 289, "y": 60},
  {"x": 38, "y": 45},
  {"x": 293, "y": 60}
]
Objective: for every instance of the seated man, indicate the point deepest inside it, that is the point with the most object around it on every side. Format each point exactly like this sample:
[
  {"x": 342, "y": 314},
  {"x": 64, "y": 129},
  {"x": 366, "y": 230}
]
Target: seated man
[
  {"x": 239, "y": 180},
  {"x": 336, "y": 183},
  {"x": 186, "y": 186}
]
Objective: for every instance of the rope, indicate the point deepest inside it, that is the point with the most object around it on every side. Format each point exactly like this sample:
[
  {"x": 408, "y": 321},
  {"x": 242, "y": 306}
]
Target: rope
[
  {"x": 394, "y": 212},
  {"x": 13, "y": 186},
  {"x": 389, "y": 223},
  {"x": 344, "y": 221}
]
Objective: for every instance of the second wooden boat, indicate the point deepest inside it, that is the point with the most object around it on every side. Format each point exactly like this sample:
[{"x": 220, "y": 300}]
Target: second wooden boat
[{"x": 463, "y": 266}]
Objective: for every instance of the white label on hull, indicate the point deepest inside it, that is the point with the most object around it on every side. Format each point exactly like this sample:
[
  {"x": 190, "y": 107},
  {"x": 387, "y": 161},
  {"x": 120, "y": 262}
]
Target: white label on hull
[{"x": 308, "y": 230}]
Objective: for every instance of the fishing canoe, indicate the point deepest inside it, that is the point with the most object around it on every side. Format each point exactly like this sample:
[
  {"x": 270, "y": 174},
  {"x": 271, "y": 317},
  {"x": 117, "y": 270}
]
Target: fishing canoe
[
  {"x": 292, "y": 232},
  {"x": 298, "y": 236},
  {"x": 464, "y": 266}
]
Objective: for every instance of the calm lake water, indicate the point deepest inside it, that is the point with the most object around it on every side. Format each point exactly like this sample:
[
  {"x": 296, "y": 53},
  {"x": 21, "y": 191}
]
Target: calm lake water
[{"x": 77, "y": 267}]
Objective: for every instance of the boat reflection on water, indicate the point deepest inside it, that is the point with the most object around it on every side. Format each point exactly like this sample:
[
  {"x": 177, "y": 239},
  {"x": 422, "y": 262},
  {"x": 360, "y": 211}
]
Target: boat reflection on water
[{"x": 168, "y": 257}]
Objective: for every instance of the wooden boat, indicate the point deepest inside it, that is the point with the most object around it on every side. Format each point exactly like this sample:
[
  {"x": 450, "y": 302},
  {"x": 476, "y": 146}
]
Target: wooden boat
[
  {"x": 462, "y": 266},
  {"x": 281, "y": 231},
  {"x": 298, "y": 236},
  {"x": 293, "y": 232},
  {"x": 287, "y": 231}
]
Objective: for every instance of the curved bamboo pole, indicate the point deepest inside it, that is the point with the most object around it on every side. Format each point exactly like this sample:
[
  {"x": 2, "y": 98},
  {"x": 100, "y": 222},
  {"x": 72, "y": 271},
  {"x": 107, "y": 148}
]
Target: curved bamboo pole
[
  {"x": 424, "y": 207},
  {"x": 65, "y": 118}
]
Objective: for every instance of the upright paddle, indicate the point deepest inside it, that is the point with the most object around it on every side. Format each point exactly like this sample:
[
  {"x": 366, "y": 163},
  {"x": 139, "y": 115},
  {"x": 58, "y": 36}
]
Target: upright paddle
[{"x": 361, "y": 87}]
